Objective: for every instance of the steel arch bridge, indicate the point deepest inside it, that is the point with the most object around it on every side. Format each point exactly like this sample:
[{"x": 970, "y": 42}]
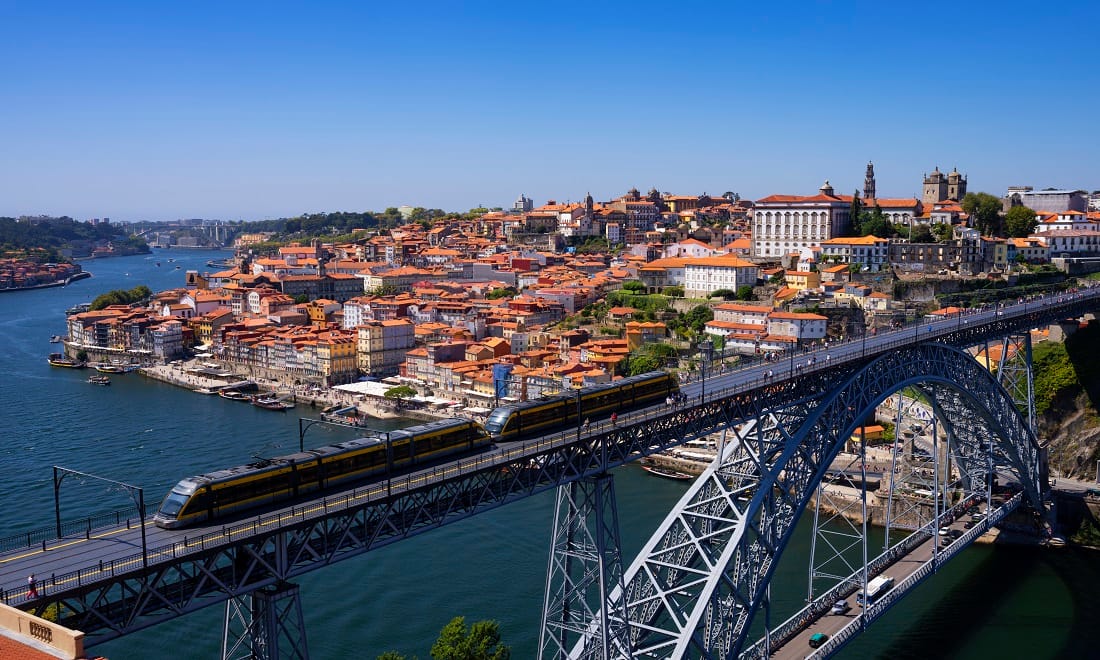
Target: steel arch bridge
[{"x": 696, "y": 587}]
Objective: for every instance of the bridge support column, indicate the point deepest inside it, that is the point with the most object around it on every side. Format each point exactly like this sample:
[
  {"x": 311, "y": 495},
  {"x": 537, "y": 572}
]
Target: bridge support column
[
  {"x": 265, "y": 625},
  {"x": 585, "y": 568}
]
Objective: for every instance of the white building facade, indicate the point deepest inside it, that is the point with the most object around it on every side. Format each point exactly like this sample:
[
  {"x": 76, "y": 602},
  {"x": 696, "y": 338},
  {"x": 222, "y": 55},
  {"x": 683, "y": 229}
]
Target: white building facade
[
  {"x": 705, "y": 276},
  {"x": 782, "y": 224}
]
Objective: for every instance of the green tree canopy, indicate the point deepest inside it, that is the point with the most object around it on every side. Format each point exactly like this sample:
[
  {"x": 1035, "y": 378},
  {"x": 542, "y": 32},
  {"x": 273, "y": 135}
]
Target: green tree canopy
[
  {"x": 875, "y": 223},
  {"x": 920, "y": 233},
  {"x": 1020, "y": 221},
  {"x": 399, "y": 392},
  {"x": 724, "y": 294},
  {"x": 943, "y": 232},
  {"x": 506, "y": 292},
  {"x": 744, "y": 292},
  {"x": 480, "y": 642},
  {"x": 698, "y": 317},
  {"x": 985, "y": 213},
  {"x": 121, "y": 297},
  {"x": 634, "y": 285},
  {"x": 674, "y": 291}
]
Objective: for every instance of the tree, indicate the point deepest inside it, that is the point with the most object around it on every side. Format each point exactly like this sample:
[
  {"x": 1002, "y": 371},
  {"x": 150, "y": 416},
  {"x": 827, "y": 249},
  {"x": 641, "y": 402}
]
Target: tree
[
  {"x": 481, "y": 642},
  {"x": 744, "y": 292},
  {"x": 634, "y": 285},
  {"x": 674, "y": 291},
  {"x": 641, "y": 364},
  {"x": 920, "y": 234},
  {"x": 985, "y": 213},
  {"x": 1020, "y": 221},
  {"x": 943, "y": 232},
  {"x": 855, "y": 212},
  {"x": 779, "y": 278},
  {"x": 698, "y": 317},
  {"x": 301, "y": 298},
  {"x": 724, "y": 294},
  {"x": 506, "y": 292},
  {"x": 877, "y": 224},
  {"x": 401, "y": 392}
]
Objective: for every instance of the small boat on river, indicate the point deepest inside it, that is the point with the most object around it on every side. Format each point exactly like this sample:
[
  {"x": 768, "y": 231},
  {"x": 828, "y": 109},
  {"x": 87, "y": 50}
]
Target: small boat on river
[
  {"x": 667, "y": 473},
  {"x": 270, "y": 403},
  {"x": 233, "y": 395},
  {"x": 99, "y": 380},
  {"x": 105, "y": 368},
  {"x": 62, "y": 360},
  {"x": 56, "y": 339}
]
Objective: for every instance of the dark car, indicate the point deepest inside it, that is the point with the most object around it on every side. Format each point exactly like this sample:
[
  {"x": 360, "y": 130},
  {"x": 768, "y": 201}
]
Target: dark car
[{"x": 817, "y": 639}]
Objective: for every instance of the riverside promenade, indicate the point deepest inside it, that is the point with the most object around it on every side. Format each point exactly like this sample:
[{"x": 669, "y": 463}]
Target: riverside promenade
[{"x": 184, "y": 375}]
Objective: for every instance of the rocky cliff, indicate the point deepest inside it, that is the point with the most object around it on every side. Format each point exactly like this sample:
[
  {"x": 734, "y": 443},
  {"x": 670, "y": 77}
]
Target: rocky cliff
[{"x": 1067, "y": 389}]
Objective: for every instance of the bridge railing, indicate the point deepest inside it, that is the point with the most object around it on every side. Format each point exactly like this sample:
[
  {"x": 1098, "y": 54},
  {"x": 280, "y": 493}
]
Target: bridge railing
[
  {"x": 77, "y": 527},
  {"x": 86, "y": 526},
  {"x": 514, "y": 453},
  {"x": 820, "y": 605},
  {"x": 880, "y": 606}
]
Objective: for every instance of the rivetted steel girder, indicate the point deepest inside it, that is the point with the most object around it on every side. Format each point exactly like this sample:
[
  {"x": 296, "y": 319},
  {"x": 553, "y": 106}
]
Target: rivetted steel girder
[{"x": 694, "y": 590}]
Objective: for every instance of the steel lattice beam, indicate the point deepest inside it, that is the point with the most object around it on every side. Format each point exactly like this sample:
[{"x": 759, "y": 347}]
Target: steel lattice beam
[{"x": 696, "y": 587}]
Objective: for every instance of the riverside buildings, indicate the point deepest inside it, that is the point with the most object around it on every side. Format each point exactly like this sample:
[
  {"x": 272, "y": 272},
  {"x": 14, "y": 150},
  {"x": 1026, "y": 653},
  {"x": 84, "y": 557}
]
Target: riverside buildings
[{"x": 450, "y": 305}]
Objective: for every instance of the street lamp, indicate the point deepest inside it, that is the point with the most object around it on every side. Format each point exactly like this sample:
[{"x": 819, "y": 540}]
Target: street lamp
[
  {"x": 705, "y": 348},
  {"x": 304, "y": 424},
  {"x": 59, "y": 474}
]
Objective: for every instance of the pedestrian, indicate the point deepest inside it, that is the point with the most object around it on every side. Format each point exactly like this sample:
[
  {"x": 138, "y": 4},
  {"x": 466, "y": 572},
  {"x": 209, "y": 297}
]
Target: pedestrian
[
  {"x": 32, "y": 587},
  {"x": 586, "y": 424},
  {"x": 614, "y": 418}
]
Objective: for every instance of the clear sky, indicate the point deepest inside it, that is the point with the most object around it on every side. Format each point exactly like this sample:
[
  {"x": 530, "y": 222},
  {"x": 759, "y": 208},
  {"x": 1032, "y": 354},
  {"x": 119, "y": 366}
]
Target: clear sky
[{"x": 156, "y": 110}]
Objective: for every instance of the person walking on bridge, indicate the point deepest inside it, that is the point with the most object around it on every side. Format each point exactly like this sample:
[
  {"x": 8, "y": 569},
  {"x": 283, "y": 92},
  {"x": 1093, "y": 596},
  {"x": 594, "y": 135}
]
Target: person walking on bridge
[{"x": 32, "y": 587}]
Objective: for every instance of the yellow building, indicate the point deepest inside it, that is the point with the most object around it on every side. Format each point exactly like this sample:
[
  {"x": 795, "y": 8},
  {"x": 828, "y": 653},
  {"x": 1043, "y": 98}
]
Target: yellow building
[{"x": 802, "y": 281}]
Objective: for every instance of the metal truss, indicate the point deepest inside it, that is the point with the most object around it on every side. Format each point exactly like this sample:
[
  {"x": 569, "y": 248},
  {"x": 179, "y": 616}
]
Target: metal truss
[
  {"x": 265, "y": 625},
  {"x": 775, "y": 464},
  {"x": 697, "y": 585},
  {"x": 585, "y": 561},
  {"x": 1014, "y": 373},
  {"x": 107, "y": 600}
]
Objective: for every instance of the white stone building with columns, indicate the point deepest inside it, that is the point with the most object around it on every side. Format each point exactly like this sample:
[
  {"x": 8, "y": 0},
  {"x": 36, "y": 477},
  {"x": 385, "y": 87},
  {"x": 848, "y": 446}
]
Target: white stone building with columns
[{"x": 782, "y": 224}]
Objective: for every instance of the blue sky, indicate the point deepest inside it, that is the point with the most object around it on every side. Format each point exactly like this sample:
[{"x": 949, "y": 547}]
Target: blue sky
[{"x": 147, "y": 110}]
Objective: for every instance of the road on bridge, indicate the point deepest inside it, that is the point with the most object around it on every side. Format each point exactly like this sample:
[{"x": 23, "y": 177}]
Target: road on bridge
[{"x": 829, "y": 624}]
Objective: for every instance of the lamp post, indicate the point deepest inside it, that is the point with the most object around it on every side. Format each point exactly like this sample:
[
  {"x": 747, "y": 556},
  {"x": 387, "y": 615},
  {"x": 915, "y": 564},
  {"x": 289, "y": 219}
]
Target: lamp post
[
  {"x": 705, "y": 348},
  {"x": 304, "y": 424},
  {"x": 59, "y": 474}
]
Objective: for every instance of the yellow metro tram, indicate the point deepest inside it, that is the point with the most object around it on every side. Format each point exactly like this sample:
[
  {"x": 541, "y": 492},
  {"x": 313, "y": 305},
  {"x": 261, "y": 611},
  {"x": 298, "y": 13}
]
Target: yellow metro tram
[
  {"x": 207, "y": 497},
  {"x": 533, "y": 417}
]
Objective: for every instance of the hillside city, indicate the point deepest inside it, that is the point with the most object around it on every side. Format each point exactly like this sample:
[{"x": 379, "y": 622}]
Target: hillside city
[{"x": 467, "y": 311}]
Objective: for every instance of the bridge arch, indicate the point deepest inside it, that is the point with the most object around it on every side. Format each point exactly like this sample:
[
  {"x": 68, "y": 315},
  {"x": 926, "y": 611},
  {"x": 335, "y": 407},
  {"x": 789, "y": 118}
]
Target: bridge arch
[{"x": 697, "y": 585}]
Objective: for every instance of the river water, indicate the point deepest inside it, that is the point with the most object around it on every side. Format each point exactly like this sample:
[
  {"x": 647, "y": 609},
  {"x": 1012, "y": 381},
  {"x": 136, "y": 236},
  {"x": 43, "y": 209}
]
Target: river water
[{"x": 999, "y": 602}]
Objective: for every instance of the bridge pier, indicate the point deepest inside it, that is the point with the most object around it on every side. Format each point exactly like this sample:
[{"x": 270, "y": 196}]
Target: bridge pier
[
  {"x": 585, "y": 568},
  {"x": 265, "y": 625}
]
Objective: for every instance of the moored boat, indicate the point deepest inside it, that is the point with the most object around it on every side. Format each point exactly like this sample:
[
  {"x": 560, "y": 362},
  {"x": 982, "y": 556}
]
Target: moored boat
[
  {"x": 99, "y": 380},
  {"x": 56, "y": 339},
  {"x": 62, "y": 360},
  {"x": 269, "y": 403},
  {"x": 77, "y": 309},
  {"x": 233, "y": 395},
  {"x": 205, "y": 390},
  {"x": 667, "y": 473},
  {"x": 105, "y": 368}
]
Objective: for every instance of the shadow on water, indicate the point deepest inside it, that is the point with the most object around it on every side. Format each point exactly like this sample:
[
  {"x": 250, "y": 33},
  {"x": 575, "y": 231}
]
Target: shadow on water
[{"x": 999, "y": 602}]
